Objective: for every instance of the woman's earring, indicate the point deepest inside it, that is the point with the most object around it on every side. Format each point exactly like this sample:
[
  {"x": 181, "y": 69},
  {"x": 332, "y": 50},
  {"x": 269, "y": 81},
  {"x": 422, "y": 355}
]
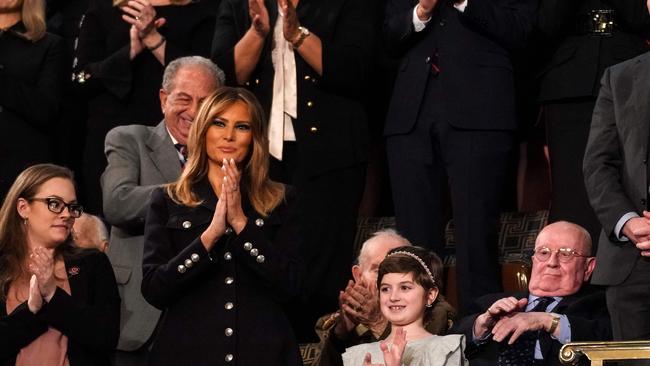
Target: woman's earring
[{"x": 429, "y": 305}]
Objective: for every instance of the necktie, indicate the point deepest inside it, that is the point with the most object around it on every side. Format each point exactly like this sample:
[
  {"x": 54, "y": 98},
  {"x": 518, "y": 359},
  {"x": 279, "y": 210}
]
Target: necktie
[
  {"x": 521, "y": 353},
  {"x": 183, "y": 150}
]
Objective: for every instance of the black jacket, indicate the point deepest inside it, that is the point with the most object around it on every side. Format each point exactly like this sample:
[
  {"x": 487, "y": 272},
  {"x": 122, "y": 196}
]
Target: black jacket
[
  {"x": 586, "y": 311},
  {"x": 473, "y": 50},
  {"x": 579, "y": 59},
  {"x": 331, "y": 129},
  {"x": 89, "y": 316},
  {"x": 30, "y": 91},
  {"x": 225, "y": 302}
]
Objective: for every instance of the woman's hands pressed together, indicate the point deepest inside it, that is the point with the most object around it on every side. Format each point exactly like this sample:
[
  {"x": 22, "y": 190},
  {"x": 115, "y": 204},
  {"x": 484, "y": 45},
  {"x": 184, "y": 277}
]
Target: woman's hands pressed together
[
  {"x": 228, "y": 211},
  {"x": 42, "y": 284},
  {"x": 141, "y": 15}
]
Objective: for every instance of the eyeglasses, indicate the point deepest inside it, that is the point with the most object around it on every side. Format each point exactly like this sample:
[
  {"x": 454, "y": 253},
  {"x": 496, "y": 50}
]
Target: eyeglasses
[
  {"x": 57, "y": 205},
  {"x": 543, "y": 254}
]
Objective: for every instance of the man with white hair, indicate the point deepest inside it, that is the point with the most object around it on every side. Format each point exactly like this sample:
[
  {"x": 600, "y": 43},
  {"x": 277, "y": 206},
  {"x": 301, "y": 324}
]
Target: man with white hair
[
  {"x": 140, "y": 159},
  {"x": 530, "y": 328},
  {"x": 359, "y": 319}
]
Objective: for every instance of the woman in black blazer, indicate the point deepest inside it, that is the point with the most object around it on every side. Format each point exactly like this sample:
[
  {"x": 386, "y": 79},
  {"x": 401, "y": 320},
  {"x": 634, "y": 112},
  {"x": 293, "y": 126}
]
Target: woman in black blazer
[
  {"x": 329, "y": 44},
  {"x": 220, "y": 251},
  {"x": 31, "y": 65},
  {"x": 59, "y": 303}
]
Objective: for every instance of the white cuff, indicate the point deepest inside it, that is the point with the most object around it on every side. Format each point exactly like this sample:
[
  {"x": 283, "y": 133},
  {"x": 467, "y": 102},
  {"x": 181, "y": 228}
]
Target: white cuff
[
  {"x": 461, "y": 6},
  {"x": 417, "y": 23},
  {"x": 620, "y": 223}
]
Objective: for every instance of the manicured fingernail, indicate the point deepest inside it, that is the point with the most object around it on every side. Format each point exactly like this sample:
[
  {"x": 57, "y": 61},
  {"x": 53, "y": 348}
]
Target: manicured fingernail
[{"x": 232, "y": 161}]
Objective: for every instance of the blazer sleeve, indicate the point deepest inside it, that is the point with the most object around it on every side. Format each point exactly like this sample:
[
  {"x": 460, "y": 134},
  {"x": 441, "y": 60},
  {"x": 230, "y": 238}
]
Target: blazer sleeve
[
  {"x": 37, "y": 102},
  {"x": 603, "y": 163},
  {"x": 509, "y": 23},
  {"x": 346, "y": 54},
  {"x": 229, "y": 28},
  {"x": 398, "y": 31},
  {"x": 277, "y": 262},
  {"x": 94, "y": 323},
  {"x": 125, "y": 200},
  {"x": 162, "y": 283},
  {"x": 104, "y": 70},
  {"x": 17, "y": 330}
]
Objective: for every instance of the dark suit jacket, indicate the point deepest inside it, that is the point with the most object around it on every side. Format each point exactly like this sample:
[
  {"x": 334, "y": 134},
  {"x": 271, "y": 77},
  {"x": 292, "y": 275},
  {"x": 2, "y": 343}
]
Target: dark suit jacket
[
  {"x": 140, "y": 159},
  {"x": 579, "y": 59},
  {"x": 615, "y": 164},
  {"x": 331, "y": 129},
  {"x": 231, "y": 287},
  {"x": 31, "y": 83},
  {"x": 586, "y": 311},
  {"x": 473, "y": 51},
  {"x": 89, "y": 316}
]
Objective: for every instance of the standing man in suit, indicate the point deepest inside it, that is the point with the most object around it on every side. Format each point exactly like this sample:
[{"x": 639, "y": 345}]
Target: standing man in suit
[
  {"x": 452, "y": 120},
  {"x": 141, "y": 158},
  {"x": 587, "y": 36},
  {"x": 530, "y": 328},
  {"x": 616, "y": 176}
]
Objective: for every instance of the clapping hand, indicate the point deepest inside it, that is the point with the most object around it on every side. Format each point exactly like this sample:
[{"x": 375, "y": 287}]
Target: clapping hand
[
  {"x": 35, "y": 300},
  {"x": 502, "y": 307},
  {"x": 235, "y": 214},
  {"x": 291, "y": 23},
  {"x": 259, "y": 17},
  {"x": 142, "y": 15},
  {"x": 425, "y": 9},
  {"x": 42, "y": 266},
  {"x": 393, "y": 354}
]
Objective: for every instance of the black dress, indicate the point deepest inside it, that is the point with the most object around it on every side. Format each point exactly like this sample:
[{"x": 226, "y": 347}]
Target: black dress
[
  {"x": 124, "y": 91},
  {"x": 30, "y": 92},
  {"x": 225, "y": 306},
  {"x": 327, "y": 162}
]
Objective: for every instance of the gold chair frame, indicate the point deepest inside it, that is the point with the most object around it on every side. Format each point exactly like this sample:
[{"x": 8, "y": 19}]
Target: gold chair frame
[{"x": 598, "y": 352}]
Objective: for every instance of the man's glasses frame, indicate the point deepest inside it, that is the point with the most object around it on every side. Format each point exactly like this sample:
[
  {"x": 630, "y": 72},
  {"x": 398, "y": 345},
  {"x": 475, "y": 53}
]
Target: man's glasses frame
[
  {"x": 57, "y": 205},
  {"x": 543, "y": 254}
]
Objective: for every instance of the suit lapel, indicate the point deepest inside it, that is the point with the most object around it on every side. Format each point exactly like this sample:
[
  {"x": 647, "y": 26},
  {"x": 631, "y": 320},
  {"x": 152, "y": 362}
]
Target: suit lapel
[{"x": 163, "y": 153}]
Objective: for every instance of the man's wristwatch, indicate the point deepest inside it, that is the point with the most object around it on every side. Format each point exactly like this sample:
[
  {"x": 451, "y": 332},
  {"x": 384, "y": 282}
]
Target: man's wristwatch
[
  {"x": 303, "y": 33},
  {"x": 554, "y": 323}
]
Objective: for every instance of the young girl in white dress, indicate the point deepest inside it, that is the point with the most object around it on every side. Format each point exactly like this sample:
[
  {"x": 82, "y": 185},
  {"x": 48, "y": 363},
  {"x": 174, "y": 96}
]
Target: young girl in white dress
[{"x": 408, "y": 281}]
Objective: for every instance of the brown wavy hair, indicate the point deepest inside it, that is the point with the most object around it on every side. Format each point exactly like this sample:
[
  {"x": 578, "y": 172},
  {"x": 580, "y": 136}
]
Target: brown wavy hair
[
  {"x": 263, "y": 193},
  {"x": 33, "y": 18},
  {"x": 13, "y": 237}
]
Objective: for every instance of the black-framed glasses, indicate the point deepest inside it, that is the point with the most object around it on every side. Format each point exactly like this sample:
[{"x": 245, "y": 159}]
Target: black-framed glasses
[
  {"x": 57, "y": 206},
  {"x": 543, "y": 254}
]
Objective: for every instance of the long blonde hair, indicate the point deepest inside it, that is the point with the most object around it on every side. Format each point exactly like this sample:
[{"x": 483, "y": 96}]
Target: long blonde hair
[
  {"x": 13, "y": 238},
  {"x": 33, "y": 17},
  {"x": 263, "y": 193}
]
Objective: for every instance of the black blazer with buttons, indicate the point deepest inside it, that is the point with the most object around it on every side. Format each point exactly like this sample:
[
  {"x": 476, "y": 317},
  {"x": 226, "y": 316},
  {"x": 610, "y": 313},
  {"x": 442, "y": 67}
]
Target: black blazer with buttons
[
  {"x": 89, "y": 316},
  {"x": 228, "y": 302},
  {"x": 586, "y": 311},
  {"x": 331, "y": 129},
  {"x": 30, "y": 93},
  {"x": 474, "y": 56}
]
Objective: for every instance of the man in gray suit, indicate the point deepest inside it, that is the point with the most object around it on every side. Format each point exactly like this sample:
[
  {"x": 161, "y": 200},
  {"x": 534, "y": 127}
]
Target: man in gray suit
[
  {"x": 141, "y": 158},
  {"x": 616, "y": 176}
]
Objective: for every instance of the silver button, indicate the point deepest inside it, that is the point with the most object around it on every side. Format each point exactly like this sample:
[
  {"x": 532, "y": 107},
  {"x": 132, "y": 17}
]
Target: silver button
[
  {"x": 228, "y": 332},
  {"x": 254, "y": 252},
  {"x": 229, "y": 280},
  {"x": 189, "y": 263},
  {"x": 248, "y": 246},
  {"x": 227, "y": 256},
  {"x": 229, "y": 357},
  {"x": 260, "y": 259},
  {"x": 181, "y": 268},
  {"x": 229, "y": 305},
  {"x": 428, "y": 59},
  {"x": 195, "y": 257},
  {"x": 228, "y": 230},
  {"x": 187, "y": 224},
  {"x": 259, "y": 222}
]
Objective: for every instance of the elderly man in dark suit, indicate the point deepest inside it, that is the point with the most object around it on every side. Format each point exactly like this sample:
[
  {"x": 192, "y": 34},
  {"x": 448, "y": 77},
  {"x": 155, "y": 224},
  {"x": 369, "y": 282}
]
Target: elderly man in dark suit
[
  {"x": 529, "y": 328},
  {"x": 141, "y": 158},
  {"x": 452, "y": 120},
  {"x": 616, "y": 176}
]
